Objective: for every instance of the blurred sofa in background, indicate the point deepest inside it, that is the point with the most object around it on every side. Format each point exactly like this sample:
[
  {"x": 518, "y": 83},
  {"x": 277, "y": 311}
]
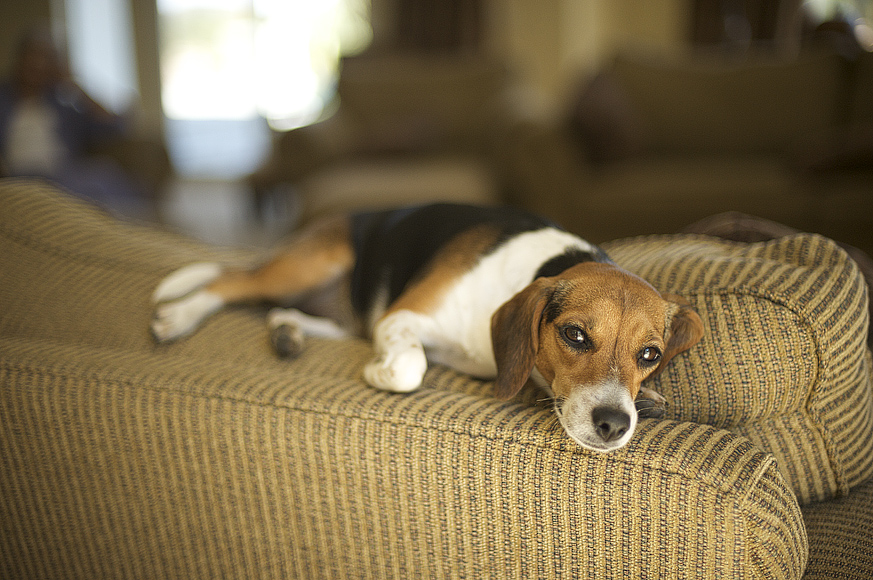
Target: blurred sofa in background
[
  {"x": 407, "y": 129},
  {"x": 651, "y": 145},
  {"x": 648, "y": 145}
]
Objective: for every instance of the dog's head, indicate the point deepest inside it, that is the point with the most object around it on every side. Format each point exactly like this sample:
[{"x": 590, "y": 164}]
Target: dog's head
[{"x": 594, "y": 333}]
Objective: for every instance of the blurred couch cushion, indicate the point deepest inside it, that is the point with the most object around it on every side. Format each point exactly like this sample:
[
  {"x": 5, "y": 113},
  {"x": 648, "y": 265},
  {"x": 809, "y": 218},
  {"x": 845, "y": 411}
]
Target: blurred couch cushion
[
  {"x": 716, "y": 107},
  {"x": 386, "y": 183},
  {"x": 605, "y": 122},
  {"x": 783, "y": 361},
  {"x": 419, "y": 103}
]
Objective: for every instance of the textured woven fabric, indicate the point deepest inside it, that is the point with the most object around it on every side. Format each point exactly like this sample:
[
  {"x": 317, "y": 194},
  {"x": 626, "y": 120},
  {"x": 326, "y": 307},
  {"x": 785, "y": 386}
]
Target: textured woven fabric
[
  {"x": 160, "y": 466},
  {"x": 783, "y": 361},
  {"x": 210, "y": 457},
  {"x": 845, "y": 527}
]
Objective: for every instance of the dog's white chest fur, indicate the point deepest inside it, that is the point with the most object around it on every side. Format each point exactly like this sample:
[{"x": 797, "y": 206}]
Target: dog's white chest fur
[{"x": 458, "y": 332}]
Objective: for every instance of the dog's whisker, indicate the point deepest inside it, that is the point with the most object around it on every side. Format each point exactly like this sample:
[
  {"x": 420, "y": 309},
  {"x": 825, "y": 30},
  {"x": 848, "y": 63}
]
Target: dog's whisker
[{"x": 554, "y": 420}]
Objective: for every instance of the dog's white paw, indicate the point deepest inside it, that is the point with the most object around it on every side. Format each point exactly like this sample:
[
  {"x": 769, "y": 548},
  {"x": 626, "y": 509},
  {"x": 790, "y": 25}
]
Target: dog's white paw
[
  {"x": 400, "y": 372},
  {"x": 185, "y": 280},
  {"x": 176, "y": 319}
]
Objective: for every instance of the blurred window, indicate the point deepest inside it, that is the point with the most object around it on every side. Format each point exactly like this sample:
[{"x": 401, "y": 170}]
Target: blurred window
[
  {"x": 857, "y": 13},
  {"x": 100, "y": 45},
  {"x": 238, "y": 59}
]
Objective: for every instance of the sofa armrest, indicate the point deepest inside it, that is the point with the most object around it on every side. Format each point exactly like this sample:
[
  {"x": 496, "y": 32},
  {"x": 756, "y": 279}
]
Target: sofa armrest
[{"x": 783, "y": 360}]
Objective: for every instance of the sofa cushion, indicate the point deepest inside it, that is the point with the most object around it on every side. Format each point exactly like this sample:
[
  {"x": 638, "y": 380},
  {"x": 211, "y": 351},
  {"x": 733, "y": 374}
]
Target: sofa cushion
[
  {"x": 604, "y": 122},
  {"x": 181, "y": 466},
  {"x": 694, "y": 107},
  {"x": 661, "y": 194},
  {"x": 415, "y": 103},
  {"x": 783, "y": 360},
  {"x": 210, "y": 457},
  {"x": 383, "y": 183}
]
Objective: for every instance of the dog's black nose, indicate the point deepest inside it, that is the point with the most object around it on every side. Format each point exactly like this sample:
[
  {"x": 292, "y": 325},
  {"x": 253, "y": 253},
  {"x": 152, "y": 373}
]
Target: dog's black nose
[{"x": 610, "y": 423}]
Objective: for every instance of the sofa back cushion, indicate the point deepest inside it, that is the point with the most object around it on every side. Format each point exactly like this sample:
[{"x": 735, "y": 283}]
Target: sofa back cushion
[
  {"x": 604, "y": 122},
  {"x": 414, "y": 103},
  {"x": 784, "y": 360},
  {"x": 707, "y": 107}
]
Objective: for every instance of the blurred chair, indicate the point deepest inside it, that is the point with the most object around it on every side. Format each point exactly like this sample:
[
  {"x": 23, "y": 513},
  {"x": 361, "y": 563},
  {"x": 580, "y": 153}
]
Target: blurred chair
[{"x": 407, "y": 129}]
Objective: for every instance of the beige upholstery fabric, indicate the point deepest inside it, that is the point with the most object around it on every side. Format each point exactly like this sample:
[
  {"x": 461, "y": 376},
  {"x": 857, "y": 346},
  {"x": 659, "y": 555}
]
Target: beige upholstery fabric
[
  {"x": 159, "y": 467},
  {"x": 716, "y": 107},
  {"x": 211, "y": 458},
  {"x": 841, "y": 536}
]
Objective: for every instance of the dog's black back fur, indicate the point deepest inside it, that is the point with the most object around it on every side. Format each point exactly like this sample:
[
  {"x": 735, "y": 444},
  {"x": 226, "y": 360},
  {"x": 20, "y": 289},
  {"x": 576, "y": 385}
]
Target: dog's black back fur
[{"x": 393, "y": 247}]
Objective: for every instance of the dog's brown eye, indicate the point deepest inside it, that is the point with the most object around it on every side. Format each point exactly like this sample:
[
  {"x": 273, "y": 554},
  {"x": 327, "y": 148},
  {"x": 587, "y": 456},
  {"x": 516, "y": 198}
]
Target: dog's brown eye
[
  {"x": 650, "y": 355},
  {"x": 574, "y": 336}
]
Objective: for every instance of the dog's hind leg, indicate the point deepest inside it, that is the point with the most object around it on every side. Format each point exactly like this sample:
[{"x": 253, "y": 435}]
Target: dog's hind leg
[
  {"x": 289, "y": 327},
  {"x": 181, "y": 304},
  {"x": 319, "y": 256}
]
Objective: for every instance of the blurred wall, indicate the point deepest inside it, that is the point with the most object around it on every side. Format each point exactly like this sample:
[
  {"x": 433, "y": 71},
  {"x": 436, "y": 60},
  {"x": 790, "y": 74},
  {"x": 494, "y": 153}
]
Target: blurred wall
[
  {"x": 553, "y": 44},
  {"x": 150, "y": 115}
]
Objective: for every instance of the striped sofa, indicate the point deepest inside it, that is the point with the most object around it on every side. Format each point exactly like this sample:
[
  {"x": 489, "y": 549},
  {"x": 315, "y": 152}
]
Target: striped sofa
[{"x": 211, "y": 458}]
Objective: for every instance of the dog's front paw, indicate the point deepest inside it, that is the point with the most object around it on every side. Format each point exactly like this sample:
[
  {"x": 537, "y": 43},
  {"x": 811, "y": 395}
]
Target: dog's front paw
[
  {"x": 649, "y": 409},
  {"x": 399, "y": 372},
  {"x": 650, "y": 404}
]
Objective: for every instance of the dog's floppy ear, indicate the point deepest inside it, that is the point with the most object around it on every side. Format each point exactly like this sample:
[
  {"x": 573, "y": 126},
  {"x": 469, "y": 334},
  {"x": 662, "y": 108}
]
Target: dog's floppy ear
[
  {"x": 684, "y": 328},
  {"x": 515, "y": 339}
]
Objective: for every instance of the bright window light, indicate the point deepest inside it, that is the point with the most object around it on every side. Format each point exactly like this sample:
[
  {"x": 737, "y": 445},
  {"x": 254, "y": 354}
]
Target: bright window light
[
  {"x": 100, "y": 42},
  {"x": 237, "y": 59}
]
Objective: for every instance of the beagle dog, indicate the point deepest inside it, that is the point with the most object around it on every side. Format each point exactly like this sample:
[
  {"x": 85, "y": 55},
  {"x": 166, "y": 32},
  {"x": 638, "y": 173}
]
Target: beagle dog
[{"x": 492, "y": 292}]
